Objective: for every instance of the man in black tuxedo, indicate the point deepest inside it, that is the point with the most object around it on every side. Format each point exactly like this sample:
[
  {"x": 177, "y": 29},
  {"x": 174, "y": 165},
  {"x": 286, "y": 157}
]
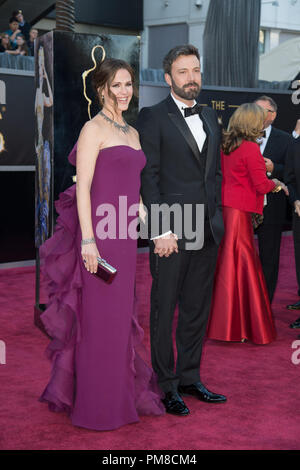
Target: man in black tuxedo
[
  {"x": 274, "y": 148},
  {"x": 292, "y": 180},
  {"x": 181, "y": 142}
]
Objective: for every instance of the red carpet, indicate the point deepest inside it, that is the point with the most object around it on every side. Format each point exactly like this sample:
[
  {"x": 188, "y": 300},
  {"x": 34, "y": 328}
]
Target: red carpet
[{"x": 261, "y": 383}]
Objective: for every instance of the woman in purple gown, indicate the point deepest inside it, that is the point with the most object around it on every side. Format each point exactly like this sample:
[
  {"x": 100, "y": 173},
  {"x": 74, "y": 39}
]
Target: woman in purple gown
[{"x": 98, "y": 377}]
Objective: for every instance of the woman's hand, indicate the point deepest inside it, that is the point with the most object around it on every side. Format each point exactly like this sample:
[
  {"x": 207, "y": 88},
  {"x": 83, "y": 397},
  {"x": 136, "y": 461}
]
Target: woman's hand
[
  {"x": 280, "y": 185},
  {"x": 90, "y": 253}
]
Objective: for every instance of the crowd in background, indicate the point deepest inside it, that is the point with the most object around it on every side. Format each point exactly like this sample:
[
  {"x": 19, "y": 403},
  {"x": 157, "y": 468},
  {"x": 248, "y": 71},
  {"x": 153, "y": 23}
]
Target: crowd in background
[{"x": 19, "y": 38}]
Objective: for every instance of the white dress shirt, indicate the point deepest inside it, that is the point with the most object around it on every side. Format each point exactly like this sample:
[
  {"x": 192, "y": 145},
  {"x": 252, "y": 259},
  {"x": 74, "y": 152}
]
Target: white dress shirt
[
  {"x": 262, "y": 144},
  {"x": 264, "y": 140},
  {"x": 196, "y": 127},
  {"x": 194, "y": 122}
]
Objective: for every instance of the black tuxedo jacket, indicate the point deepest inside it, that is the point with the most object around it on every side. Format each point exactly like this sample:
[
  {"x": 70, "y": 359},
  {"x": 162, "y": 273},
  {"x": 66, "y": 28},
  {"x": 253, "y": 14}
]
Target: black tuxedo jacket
[
  {"x": 276, "y": 149},
  {"x": 176, "y": 171},
  {"x": 292, "y": 171}
]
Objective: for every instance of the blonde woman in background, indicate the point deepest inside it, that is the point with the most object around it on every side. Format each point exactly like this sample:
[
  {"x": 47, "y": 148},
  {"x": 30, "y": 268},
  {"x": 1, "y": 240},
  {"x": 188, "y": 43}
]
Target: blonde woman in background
[{"x": 240, "y": 308}]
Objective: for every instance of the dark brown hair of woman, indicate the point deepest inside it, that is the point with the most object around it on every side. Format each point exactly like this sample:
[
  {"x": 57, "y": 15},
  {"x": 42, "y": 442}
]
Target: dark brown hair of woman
[
  {"x": 105, "y": 73},
  {"x": 246, "y": 123}
]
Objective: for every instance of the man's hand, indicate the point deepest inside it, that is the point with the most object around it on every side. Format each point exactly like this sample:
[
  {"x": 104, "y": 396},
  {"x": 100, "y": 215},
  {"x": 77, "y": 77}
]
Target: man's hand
[
  {"x": 166, "y": 245},
  {"x": 297, "y": 207},
  {"x": 269, "y": 165},
  {"x": 297, "y": 128}
]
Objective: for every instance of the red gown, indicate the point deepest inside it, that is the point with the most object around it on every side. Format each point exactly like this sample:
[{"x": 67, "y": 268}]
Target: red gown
[{"x": 240, "y": 306}]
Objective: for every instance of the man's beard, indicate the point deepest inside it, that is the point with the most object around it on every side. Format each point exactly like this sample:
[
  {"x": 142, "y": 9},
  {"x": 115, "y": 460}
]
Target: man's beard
[{"x": 184, "y": 92}]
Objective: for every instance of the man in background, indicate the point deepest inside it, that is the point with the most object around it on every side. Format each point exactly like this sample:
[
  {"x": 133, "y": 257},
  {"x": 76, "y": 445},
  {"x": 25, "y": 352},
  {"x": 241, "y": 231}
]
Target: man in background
[
  {"x": 292, "y": 180},
  {"x": 292, "y": 177},
  {"x": 33, "y": 34},
  {"x": 274, "y": 147},
  {"x": 13, "y": 31},
  {"x": 24, "y": 26}
]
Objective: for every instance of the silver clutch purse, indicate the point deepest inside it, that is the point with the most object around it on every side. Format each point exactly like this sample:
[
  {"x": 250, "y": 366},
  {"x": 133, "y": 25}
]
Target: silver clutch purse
[{"x": 105, "y": 271}]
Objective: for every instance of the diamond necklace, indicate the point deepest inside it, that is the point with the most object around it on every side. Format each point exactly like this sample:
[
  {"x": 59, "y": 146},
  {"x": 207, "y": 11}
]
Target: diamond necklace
[{"x": 124, "y": 128}]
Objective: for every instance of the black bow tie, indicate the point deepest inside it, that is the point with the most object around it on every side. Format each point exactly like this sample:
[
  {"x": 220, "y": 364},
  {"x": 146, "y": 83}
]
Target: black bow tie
[
  {"x": 196, "y": 109},
  {"x": 264, "y": 134}
]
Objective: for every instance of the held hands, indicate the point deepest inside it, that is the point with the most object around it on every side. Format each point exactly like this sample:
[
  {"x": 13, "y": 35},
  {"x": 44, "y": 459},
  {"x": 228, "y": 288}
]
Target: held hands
[
  {"x": 166, "y": 245},
  {"x": 280, "y": 186},
  {"x": 297, "y": 207},
  {"x": 89, "y": 253}
]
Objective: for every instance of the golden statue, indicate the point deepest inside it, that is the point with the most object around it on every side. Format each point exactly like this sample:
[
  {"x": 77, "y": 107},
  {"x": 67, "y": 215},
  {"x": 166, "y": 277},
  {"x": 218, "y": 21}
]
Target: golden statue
[{"x": 86, "y": 72}]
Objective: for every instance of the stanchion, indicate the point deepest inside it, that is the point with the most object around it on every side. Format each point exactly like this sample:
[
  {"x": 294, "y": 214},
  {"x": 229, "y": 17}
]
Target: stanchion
[{"x": 38, "y": 307}]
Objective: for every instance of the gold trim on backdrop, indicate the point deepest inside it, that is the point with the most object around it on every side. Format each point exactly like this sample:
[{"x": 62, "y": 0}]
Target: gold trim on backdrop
[
  {"x": 2, "y": 143},
  {"x": 86, "y": 72}
]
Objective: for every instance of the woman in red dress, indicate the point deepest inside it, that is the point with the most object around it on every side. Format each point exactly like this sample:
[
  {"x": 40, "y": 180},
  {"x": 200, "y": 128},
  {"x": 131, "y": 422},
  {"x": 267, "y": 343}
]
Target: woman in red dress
[{"x": 240, "y": 307}]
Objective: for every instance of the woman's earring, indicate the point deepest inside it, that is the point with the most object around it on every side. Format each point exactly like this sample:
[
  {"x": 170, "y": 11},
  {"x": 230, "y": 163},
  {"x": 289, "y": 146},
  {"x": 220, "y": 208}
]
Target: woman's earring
[{"x": 102, "y": 97}]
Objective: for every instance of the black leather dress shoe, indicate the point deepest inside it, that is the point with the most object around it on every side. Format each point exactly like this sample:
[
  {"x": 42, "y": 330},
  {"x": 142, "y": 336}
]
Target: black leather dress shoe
[
  {"x": 295, "y": 324},
  {"x": 199, "y": 391},
  {"x": 295, "y": 306},
  {"x": 175, "y": 405}
]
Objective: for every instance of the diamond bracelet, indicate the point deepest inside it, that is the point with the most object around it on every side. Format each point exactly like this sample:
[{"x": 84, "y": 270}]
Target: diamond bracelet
[{"x": 87, "y": 241}]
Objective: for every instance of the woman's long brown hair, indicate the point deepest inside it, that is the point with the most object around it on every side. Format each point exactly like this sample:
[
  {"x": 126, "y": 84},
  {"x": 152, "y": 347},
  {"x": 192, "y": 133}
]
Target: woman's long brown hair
[
  {"x": 105, "y": 74},
  {"x": 246, "y": 123}
]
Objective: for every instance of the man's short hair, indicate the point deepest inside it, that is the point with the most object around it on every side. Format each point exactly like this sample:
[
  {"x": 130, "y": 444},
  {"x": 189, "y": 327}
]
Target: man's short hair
[
  {"x": 269, "y": 100},
  {"x": 177, "y": 51},
  {"x": 13, "y": 18}
]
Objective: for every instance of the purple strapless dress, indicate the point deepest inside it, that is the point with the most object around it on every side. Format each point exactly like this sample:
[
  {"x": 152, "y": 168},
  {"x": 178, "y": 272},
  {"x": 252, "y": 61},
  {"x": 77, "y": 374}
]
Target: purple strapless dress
[{"x": 98, "y": 376}]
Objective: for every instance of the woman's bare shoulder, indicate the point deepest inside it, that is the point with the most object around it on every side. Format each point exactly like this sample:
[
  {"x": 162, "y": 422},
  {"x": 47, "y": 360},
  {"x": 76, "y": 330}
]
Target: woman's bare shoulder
[
  {"x": 92, "y": 130},
  {"x": 135, "y": 132},
  {"x": 136, "y": 136}
]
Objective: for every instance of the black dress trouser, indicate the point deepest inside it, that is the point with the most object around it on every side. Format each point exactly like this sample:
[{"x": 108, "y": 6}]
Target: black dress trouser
[
  {"x": 269, "y": 240},
  {"x": 185, "y": 279}
]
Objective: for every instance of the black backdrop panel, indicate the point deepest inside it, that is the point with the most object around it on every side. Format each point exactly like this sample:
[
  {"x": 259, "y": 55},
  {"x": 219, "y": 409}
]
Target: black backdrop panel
[
  {"x": 16, "y": 120},
  {"x": 17, "y": 216},
  {"x": 72, "y": 56},
  {"x": 225, "y": 101}
]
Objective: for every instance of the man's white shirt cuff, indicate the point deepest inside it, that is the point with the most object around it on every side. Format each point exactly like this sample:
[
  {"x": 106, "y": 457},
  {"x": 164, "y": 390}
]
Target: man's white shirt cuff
[{"x": 163, "y": 235}]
